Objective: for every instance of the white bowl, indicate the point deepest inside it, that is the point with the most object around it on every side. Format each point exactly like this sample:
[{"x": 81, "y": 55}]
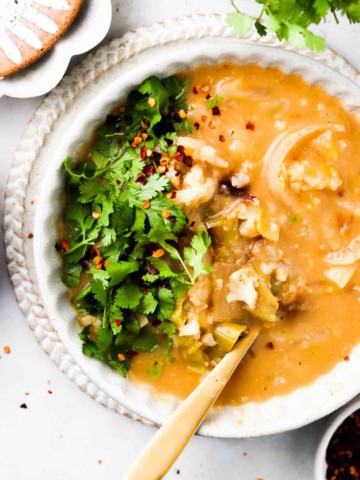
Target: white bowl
[
  {"x": 335, "y": 421},
  {"x": 35, "y": 268},
  {"x": 90, "y": 27}
]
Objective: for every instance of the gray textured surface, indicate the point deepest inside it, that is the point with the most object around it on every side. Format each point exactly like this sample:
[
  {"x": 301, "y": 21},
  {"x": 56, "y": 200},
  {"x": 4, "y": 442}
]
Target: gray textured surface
[{"x": 65, "y": 434}]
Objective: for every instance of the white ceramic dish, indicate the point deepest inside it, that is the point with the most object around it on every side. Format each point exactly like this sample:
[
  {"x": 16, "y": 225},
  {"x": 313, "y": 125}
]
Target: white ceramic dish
[
  {"x": 32, "y": 206},
  {"x": 335, "y": 421},
  {"x": 89, "y": 28}
]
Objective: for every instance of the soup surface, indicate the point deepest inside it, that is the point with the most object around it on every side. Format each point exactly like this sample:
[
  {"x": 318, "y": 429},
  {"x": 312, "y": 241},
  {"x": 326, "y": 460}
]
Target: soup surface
[
  {"x": 201, "y": 210},
  {"x": 318, "y": 318}
]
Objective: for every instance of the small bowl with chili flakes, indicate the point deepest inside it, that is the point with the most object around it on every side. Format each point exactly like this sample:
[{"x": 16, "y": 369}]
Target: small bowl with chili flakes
[{"x": 338, "y": 455}]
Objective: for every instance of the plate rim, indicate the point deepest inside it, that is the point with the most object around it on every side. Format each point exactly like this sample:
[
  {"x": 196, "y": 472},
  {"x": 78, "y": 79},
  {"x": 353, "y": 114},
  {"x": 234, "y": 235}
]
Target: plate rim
[{"x": 35, "y": 136}]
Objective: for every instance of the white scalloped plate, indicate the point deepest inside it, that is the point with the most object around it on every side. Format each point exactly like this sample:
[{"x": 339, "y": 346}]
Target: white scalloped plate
[
  {"x": 89, "y": 28},
  {"x": 67, "y": 118}
]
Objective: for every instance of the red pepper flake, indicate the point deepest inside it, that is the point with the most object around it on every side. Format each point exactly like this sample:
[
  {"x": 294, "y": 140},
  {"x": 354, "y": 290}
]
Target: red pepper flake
[
  {"x": 141, "y": 178},
  {"x": 188, "y": 160},
  {"x": 121, "y": 357},
  {"x": 208, "y": 96},
  {"x": 270, "y": 346},
  {"x": 181, "y": 149},
  {"x": 144, "y": 290},
  {"x": 23, "y": 405},
  {"x": 7, "y": 350},
  {"x": 203, "y": 118},
  {"x": 30, "y": 236},
  {"x": 160, "y": 252},
  {"x": 146, "y": 204},
  {"x": 64, "y": 246},
  {"x": 195, "y": 90},
  {"x": 347, "y": 358},
  {"x": 118, "y": 323},
  {"x": 216, "y": 110},
  {"x": 173, "y": 194},
  {"x": 180, "y": 157},
  {"x": 343, "y": 451},
  {"x": 148, "y": 170},
  {"x": 50, "y": 392},
  {"x": 249, "y": 198},
  {"x": 250, "y": 126},
  {"x": 132, "y": 354},
  {"x": 221, "y": 138},
  {"x": 172, "y": 218},
  {"x": 143, "y": 153},
  {"x": 196, "y": 125}
]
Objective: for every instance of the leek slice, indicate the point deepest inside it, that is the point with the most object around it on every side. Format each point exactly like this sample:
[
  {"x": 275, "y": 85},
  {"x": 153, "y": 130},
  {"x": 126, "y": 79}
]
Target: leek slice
[
  {"x": 227, "y": 334},
  {"x": 279, "y": 150}
]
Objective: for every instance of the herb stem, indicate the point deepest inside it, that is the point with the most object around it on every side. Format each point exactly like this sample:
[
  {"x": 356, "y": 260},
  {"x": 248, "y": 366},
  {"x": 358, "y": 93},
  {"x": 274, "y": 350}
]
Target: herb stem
[{"x": 335, "y": 15}]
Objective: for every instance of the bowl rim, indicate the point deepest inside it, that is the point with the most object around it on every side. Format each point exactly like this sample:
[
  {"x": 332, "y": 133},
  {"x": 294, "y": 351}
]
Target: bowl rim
[
  {"x": 22, "y": 268},
  {"x": 335, "y": 421}
]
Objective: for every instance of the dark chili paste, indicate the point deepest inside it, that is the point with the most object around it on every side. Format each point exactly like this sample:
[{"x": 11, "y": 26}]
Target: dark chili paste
[{"x": 343, "y": 452}]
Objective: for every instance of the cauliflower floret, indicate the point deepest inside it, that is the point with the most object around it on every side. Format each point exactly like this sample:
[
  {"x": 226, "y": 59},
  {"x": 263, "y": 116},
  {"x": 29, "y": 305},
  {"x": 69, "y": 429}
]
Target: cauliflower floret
[
  {"x": 196, "y": 188},
  {"x": 304, "y": 176},
  {"x": 191, "y": 328},
  {"x": 278, "y": 269},
  {"x": 240, "y": 180},
  {"x": 200, "y": 151},
  {"x": 256, "y": 222},
  {"x": 242, "y": 286}
]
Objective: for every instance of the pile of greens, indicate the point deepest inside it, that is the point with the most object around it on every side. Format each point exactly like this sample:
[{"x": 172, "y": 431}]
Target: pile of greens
[
  {"x": 123, "y": 244},
  {"x": 291, "y": 19}
]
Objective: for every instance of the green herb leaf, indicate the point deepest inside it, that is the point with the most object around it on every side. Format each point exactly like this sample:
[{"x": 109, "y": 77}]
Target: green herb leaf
[{"x": 214, "y": 101}]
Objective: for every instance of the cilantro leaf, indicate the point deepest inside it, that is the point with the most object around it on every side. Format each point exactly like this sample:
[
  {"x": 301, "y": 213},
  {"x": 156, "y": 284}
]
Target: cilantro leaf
[
  {"x": 240, "y": 22},
  {"x": 166, "y": 304},
  {"x": 71, "y": 275},
  {"x": 119, "y": 271},
  {"x": 291, "y": 19},
  {"x": 214, "y": 101},
  {"x": 128, "y": 296},
  {"x": 148, "y": 304},
  {"x": 193, "y": 255}
]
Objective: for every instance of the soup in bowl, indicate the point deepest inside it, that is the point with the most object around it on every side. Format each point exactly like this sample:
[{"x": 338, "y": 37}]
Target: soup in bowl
[{"x": 209, "y": 202}]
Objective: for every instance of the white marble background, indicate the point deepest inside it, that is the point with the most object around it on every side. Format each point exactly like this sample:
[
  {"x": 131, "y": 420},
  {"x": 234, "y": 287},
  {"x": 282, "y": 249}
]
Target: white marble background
[{"x": 66, "y": 435}]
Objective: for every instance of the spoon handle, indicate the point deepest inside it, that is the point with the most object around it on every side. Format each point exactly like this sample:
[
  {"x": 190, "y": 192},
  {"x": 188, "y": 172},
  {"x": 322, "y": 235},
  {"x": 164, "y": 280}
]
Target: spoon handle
[{"x": 167, "y": 444}]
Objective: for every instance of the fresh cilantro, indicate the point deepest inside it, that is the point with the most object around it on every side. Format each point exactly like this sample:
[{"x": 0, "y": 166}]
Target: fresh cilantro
[
  {"x": 128, "y": 296},
  {"x": 213, "y": 102},
  {"x": 290, "y": 19},
  {"x": 71, "y": 275},
  {"x": 292, "y": 218},
  {"x": 117, "y": 214}
]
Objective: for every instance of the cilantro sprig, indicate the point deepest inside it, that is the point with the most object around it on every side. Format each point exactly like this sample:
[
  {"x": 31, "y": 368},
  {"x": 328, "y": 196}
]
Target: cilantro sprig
[
  {"x": 291, "y": 19},
  {"x": 126, "y": 251}
]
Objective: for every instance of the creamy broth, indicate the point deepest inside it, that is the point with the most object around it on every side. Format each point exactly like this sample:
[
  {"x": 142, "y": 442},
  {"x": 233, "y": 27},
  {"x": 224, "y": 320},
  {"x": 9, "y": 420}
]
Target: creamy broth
[{"x": 318, "y": 321}]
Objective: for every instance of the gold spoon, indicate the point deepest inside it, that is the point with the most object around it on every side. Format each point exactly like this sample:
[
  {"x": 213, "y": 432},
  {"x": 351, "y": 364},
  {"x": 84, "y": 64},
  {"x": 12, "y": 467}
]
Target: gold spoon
[{"x": 160, "y": 454}]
